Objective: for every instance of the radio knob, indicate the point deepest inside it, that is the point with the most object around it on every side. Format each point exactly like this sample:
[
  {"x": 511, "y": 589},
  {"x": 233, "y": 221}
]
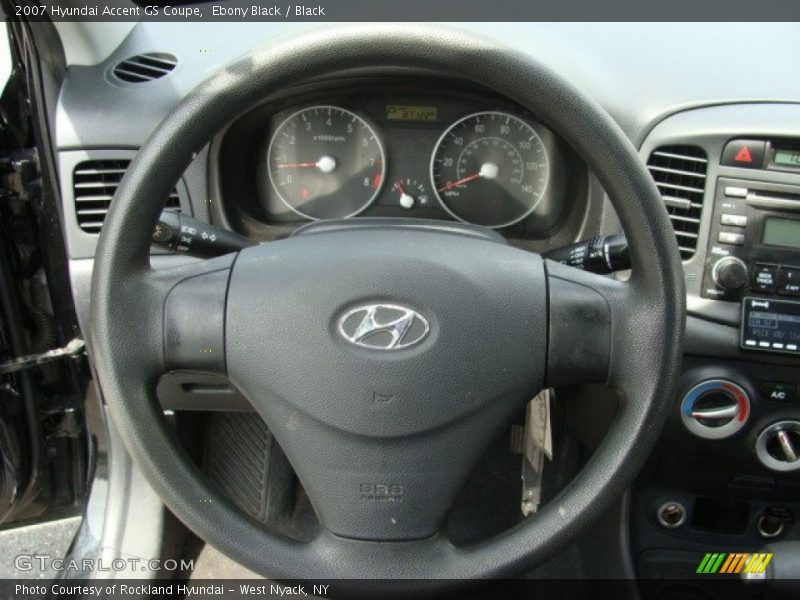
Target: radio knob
[{"x": 729, "y": 273}]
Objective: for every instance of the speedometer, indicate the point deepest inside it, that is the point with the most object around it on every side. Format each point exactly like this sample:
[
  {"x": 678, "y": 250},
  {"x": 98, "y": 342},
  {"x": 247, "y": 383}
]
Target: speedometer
[
  {"x": 326, "y": 162},
  {"x": 490, "y": 168}
]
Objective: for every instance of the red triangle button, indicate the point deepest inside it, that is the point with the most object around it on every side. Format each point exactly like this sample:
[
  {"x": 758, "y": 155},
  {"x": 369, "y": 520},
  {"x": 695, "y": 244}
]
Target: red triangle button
[{"x": 743, "y": 156}]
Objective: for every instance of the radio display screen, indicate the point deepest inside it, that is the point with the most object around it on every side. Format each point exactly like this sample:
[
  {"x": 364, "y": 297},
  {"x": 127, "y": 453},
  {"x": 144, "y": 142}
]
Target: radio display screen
[
  {"x": 772, "y": 325},
  {"x": 789, "y": 158},
  {"x": 782, "y": 232}
]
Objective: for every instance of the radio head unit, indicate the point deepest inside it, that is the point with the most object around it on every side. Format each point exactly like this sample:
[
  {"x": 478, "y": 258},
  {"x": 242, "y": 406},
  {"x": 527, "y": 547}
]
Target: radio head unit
[
  {"x": 754, "y": 241},
  {"x": 770, "y": 325}
]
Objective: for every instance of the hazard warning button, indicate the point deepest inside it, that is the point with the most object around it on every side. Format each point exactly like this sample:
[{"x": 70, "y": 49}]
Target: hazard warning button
[{"x": 748, "y": 154}]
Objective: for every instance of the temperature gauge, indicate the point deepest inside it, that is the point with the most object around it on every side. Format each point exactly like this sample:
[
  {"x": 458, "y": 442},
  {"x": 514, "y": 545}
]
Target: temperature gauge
[{"x": 411, "y": 193}]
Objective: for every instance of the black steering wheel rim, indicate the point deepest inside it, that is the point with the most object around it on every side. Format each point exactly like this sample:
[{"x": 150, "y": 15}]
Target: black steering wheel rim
[{"x": 647, "y": 324}]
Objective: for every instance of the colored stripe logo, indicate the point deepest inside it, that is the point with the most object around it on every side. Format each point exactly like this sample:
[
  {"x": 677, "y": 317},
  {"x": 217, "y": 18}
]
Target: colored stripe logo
[{"x": 737, "y": 562}]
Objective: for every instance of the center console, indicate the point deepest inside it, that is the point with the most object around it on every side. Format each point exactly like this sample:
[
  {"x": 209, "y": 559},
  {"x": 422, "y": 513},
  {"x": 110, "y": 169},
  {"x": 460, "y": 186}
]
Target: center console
[
  {"x": 753, "y": 258},
  {"x": 725, "y": 477}
]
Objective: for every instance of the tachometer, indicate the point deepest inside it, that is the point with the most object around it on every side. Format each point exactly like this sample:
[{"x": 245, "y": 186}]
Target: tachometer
[
  {"x": 326, "y": 162},
  {"x": 490, "y": 168}
]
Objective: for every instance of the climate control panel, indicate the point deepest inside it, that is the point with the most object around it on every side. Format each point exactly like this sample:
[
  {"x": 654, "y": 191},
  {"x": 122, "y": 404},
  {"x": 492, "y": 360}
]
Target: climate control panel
[{"x": 746, "y": 412}]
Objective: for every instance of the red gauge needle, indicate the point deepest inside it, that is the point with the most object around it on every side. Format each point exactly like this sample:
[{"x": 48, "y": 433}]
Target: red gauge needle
[
  {"x": 326, "y": 164},
  {"x": 297, "y": 165},
  {"x": 451, "y": 184},
  {"x": 488, "y": 171},
  {"x": 406, "y": 199}
]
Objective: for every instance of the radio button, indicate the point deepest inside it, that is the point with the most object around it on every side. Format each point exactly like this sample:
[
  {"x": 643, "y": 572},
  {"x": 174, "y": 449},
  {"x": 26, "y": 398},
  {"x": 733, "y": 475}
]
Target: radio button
[
  {"x": 789, "y": 282},
  {"x": 727, "y": 237},
  {"x": 765, "y": 278},
  {"x": 732, "y": 191},
  {"x": 733, "y": 220}
]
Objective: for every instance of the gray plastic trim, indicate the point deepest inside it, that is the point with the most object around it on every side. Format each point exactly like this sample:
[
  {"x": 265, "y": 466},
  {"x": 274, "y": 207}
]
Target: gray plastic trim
[{"x": 123, "y": 518}]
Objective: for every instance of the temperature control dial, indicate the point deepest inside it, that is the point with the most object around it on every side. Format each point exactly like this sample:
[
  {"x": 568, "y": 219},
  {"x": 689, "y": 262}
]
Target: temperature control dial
[{"x": 715, "y": 409}]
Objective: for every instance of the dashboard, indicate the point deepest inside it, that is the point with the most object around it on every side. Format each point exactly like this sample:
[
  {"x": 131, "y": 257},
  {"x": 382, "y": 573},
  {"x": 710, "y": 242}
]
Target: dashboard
[
  {"x": 424, "y": 146},
  {"x": 419, "y": 149}
]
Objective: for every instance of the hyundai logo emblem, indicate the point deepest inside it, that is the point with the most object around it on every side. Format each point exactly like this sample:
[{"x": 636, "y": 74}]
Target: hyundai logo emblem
[{"x": 383, "y": 326}]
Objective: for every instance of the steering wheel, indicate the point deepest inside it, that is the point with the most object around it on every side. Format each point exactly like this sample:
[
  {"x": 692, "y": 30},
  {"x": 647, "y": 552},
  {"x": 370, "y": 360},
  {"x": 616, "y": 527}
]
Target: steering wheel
[{"x": 383, "y": 434}]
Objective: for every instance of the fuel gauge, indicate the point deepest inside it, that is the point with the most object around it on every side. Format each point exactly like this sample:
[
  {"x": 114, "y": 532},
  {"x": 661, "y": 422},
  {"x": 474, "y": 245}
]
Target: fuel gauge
[{"x": 411, "y": 193}]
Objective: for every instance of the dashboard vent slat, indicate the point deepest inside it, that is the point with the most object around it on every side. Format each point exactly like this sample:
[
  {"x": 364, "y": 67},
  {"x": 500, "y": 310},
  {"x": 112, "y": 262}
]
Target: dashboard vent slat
[
  {"x": 100, "y": 171},
  {"x": 680, "y": 175},
  {"x": 145, "y": 67},
  {"x": 675, "y": 186},
  {"x": 664, "y": 154},
  {"x": 94, "y": 183},
  {"x": 675, "y": 171}
]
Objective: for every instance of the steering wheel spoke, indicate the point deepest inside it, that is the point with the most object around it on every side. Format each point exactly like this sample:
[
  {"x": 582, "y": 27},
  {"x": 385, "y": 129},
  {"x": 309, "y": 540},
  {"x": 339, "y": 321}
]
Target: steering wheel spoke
[
  {"x": 382, "y": 488},
  {"x": 194, "y": 318},
  {"x": 585, "y": 316},
  {"x": 180, "y": 315}
]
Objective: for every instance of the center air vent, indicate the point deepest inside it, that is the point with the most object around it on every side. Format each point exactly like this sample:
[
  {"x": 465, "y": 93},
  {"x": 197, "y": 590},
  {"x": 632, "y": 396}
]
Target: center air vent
[
  {"x": 145, "y": 67},
  {"x": 680, "y": 175},
  {"x": 94, "y": 183}
]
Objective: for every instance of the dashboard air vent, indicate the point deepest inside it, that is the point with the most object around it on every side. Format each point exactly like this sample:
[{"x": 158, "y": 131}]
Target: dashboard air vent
[
  {"x": 94, "y": 183},
  {"x": 145, "y": 67},
  {"x": 680, "y": 175}
]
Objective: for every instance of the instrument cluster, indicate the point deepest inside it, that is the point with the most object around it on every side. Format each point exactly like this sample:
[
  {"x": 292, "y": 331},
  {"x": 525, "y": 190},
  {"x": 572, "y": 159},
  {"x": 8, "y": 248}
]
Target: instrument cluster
[{"x": 395, "y": 152}]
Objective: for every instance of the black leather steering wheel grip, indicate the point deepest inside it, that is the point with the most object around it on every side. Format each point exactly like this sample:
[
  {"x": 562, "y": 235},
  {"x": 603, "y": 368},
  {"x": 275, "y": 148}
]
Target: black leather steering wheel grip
[{"x": 383, "y": 439}]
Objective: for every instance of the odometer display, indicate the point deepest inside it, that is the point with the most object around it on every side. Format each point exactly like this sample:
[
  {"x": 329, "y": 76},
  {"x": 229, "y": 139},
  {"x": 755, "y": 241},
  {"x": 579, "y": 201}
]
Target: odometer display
[
  {"x": 404, "y": 112},
  {"x": 490, "y": 168},
  {"x": 326, "y": 162}
]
